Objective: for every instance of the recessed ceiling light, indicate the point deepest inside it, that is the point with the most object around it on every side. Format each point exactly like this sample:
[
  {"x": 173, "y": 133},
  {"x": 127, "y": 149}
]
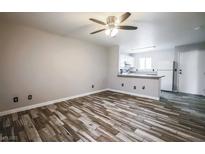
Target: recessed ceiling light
[{"x": 198, "y": 27}]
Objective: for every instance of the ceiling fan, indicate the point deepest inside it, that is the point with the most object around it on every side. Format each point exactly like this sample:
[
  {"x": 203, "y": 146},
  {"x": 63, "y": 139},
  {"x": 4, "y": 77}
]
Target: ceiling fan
[{"x": 112, "y": 24}]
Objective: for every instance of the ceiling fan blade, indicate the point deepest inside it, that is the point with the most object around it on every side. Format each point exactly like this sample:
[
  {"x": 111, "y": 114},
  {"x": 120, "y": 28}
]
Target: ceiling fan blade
[
  {"x": 124, "y": 17},
  {"x": 98, "y": 31},
  {"x": 98, "y": 21},
  {"x": 127, "y": 27}
]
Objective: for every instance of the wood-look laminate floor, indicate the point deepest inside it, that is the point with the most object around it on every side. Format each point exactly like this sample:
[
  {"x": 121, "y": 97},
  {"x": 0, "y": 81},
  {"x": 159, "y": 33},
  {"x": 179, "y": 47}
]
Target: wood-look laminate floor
[{"x": 110, "y": 116}]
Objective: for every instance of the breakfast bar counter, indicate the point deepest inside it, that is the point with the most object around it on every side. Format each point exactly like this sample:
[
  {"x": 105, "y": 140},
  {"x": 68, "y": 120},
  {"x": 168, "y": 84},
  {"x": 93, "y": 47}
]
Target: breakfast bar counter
[
  {"x": 139, "y": 84},
  {"x": 140, "y": 76}
]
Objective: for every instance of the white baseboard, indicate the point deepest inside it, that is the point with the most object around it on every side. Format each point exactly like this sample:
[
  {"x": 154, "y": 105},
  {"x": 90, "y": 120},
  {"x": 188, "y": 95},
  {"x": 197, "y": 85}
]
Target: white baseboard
[
  {"x": 68, "y": 98},
  {"x": 47, "y": 103},
  {"x": 134, "y": 94}
]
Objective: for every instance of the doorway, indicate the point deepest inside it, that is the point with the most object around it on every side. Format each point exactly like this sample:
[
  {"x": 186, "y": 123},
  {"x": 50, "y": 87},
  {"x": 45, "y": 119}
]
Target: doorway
[{"x": 191, "y": 73}]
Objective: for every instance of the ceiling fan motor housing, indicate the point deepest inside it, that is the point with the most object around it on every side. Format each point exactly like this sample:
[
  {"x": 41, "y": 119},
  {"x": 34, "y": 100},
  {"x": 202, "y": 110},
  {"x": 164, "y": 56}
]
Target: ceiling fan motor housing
[{"x": 111, "y": 21}]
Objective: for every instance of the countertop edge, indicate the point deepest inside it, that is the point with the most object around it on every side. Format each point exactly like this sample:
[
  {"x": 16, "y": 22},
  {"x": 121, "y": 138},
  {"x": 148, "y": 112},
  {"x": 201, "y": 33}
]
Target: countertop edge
[{"x": 139, "y": 76}]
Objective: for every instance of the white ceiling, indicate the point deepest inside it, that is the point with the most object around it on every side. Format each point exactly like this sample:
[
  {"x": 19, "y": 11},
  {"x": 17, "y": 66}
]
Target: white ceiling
[{"x": 163, "y": 30}]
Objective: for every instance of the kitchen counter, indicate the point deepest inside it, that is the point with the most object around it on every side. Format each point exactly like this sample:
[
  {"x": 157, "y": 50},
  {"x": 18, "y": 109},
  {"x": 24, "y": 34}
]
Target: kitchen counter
[
  {"x": 151, "y": 76},
  {"x": 142, "y": 85}
]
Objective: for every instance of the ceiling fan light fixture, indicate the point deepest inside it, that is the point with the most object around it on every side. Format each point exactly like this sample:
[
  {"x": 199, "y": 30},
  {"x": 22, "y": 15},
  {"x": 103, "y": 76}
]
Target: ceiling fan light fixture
[
  {"x": 111, "y": 25},
  {"x": 114, "y": 32},
  {"x": 107, "y": 32},
  {"x": 111, "y": 32}
]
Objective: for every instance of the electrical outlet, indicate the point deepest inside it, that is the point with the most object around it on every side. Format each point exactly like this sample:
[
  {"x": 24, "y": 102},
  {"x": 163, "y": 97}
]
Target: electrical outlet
[
  {"x": 134, "y": 87},
  {"x": 93, "y": 86},
  {"x": 29, "y": 97},
  {"x": 15, "y": 99},
  {"x": 122, "y": 84}
]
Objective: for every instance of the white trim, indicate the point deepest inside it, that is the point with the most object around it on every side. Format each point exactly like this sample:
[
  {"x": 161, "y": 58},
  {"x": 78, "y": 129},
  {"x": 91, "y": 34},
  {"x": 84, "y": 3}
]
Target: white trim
[
  {"x": 47, "y": 103},
  {"x": 134, "y": 94},
  {"x": 68, "y": 98}
]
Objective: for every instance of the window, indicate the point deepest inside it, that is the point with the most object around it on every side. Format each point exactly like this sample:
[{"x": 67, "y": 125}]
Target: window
[
  {"x": 142, "y": 63},
  {"x": 148, "y": 62},
  {"x": 126, "y": 60},
  {"x": 145, "y": 63}
]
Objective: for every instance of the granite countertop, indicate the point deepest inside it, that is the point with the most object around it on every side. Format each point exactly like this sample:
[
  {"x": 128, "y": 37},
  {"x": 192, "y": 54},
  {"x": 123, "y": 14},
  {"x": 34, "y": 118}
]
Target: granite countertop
[{"x": 140, "y": 76}]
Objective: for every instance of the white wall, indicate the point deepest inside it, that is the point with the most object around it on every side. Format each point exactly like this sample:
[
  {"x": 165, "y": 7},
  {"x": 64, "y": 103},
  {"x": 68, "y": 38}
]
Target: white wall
[
  {"x": 152, "y": 85},
  {"x": 157, "y": 56},
  {"x": 47, "y": 66}
]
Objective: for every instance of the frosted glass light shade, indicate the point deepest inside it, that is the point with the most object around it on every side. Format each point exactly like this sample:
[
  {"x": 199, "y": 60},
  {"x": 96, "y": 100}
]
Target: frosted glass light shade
[{"x": 114, "y": 32}]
